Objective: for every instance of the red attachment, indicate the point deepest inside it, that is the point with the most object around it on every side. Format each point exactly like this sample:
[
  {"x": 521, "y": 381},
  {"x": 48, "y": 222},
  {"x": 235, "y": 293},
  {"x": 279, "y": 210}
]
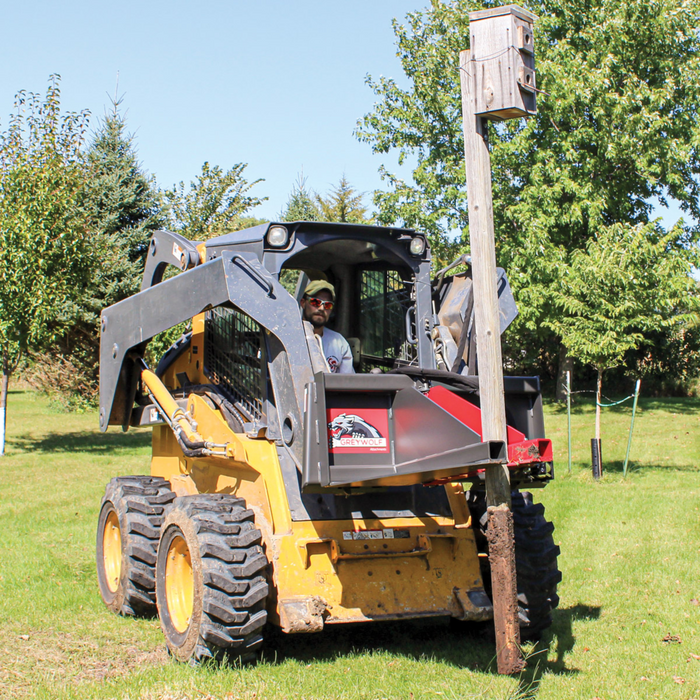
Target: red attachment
[{"x": 521, "y": 451}]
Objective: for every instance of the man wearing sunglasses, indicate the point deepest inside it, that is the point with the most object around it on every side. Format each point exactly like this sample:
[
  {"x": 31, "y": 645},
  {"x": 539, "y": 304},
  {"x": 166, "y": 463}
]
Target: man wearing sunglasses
[{"x": 316, "y": 306}]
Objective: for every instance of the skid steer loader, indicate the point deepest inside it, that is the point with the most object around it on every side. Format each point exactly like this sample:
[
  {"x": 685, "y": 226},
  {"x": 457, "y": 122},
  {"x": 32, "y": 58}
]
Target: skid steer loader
[{"x": 283, "y": 494}]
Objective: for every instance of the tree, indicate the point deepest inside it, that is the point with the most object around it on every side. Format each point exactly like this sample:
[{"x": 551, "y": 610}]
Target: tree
[
  {"x": 215, "y": 202},
  {"x": 43, "y": 237},
  {"x": 344, "y": 204},
  {"x": 302, "y": 204},
  {"x": 122, "y": 208},
  {"x": 629, "y": 280},
  {"x": 668, "y": 360},
  {"x": 616, "y": 127}
]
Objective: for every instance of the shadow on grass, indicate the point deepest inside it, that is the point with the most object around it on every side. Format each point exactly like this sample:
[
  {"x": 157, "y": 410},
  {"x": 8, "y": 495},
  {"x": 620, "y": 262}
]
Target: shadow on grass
[
  {"x": 83, "y": 441},
  {"x": 461, "y": 645},
  {"x": 616, "y": 467},
  {"x": 457, "y": 644},
  {"x": 562, "y": 633}
]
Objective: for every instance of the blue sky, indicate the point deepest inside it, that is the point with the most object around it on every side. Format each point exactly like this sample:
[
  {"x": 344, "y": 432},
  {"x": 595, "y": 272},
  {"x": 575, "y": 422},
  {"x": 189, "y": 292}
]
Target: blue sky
[{"x": 278, "y": 85}]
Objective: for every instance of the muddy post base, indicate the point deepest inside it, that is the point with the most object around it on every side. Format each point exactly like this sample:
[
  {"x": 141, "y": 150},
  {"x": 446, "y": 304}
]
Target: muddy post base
[{"x": 504, "y": 589}]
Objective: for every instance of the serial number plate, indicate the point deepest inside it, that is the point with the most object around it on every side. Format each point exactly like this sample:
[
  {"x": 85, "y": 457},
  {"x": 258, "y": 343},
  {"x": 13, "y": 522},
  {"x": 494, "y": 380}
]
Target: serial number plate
[{"x": 387, "y": 534}]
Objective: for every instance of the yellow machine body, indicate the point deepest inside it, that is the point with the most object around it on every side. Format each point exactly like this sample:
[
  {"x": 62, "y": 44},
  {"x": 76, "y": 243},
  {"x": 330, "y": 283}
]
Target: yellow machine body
[{"x": 326, "y": 571}]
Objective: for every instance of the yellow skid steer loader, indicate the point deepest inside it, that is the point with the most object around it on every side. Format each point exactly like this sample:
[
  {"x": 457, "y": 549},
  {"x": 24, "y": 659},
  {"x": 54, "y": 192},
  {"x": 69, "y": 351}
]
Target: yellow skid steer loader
[{"x": 283, "y": 494}]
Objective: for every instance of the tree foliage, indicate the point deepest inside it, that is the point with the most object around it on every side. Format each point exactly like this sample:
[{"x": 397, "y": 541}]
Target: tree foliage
[
  {"x": 123, "y": 206},
  {"x": 629, "y": 280},
  {"x": 343, "y": 204},
  {"x": 43, "y": 237},
  {"x": 616, "y": 128},
  {"x": 213, "y": 204},
  {"x": 302, "y": 204},
  {"x": 114, "y": 209}
]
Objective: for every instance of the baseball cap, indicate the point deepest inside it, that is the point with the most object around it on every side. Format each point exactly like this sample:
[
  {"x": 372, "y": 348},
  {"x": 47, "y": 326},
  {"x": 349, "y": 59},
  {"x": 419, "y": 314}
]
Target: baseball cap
[{"x": 316, "y": 286}]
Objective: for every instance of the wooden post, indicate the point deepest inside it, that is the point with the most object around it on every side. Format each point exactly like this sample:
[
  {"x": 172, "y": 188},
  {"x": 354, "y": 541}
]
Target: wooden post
[
  {"x": 496, "y": 80},
  {"x": 483, "y": 253}
]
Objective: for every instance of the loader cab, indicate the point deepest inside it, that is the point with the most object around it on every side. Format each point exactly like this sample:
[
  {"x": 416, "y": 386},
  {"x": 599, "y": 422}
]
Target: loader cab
[
  {"x": 382, "y": 281},
  {"x": 374, "y": 310}
]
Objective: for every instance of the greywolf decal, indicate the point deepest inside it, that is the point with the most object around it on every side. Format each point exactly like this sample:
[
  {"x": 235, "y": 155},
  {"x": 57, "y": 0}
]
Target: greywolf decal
[{"x": 349, "y": 430}]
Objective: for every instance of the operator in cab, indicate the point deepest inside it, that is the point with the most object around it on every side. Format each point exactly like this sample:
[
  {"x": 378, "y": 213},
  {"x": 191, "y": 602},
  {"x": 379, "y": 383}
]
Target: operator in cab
[{"x": 316, "y": 306}]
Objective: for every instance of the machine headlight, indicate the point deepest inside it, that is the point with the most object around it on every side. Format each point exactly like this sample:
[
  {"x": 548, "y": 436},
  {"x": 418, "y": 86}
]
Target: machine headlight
[
  {"x": 417, "y": 245},
  {"x": 278, "y": 236}
]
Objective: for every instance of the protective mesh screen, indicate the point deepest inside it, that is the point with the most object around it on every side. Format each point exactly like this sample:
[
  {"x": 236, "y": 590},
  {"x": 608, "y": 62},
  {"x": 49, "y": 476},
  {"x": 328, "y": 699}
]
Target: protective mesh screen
[
  {"x": 233, "y": 358},
  {"x": 384, "y": 302}
]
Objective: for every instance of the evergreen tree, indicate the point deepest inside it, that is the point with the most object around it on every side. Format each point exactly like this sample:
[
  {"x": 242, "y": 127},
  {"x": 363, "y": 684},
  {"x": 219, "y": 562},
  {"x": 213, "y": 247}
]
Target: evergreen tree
[
  {"x": 344, "y": 204},
  {"x": 302, "y": 203},
  {"x": 123, "y": 207}
]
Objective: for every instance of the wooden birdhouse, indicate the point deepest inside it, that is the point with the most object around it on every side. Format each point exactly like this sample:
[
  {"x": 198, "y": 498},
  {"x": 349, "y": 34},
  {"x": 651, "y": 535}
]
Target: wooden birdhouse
[{"x": 503, "y": 60}]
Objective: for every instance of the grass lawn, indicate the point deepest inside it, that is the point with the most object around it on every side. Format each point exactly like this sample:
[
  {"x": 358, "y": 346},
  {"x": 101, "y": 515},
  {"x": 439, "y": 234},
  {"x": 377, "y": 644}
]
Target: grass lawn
[{"x": 628, "y": 625}]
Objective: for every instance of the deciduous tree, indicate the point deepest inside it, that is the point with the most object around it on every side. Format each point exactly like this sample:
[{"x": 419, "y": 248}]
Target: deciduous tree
[
  {"x": 616, "y": 128},
  {"x": 121, "y": 206},
  {"x": 43, "y": 236},
  {"x": 629, "y": 279},
  {"x": 214, "y": 203}
]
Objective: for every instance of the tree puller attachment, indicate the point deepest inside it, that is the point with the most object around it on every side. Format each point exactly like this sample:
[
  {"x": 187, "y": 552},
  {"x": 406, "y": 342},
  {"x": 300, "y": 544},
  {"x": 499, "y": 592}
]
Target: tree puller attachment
[{"x": 283, "y": 494}]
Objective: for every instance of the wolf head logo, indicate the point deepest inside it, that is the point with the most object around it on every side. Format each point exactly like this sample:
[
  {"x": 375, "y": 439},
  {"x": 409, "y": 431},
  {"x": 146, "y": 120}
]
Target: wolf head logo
[{"x": 352, "y": 425}]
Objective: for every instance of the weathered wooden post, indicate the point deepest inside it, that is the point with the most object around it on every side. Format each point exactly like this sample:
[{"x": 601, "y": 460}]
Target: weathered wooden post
[{"x": 498, "y": 82}]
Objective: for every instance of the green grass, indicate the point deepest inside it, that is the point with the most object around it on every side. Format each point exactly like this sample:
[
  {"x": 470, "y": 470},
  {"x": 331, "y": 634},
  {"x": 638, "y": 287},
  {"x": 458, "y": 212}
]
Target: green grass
[
  {"x": 666, "y": 434},
  {"x": 630, "y": 560}
]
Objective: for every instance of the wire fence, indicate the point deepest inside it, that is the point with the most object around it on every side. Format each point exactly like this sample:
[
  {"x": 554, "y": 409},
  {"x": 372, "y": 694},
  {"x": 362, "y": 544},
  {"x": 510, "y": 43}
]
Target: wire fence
[{"x": 610, "y": 403}]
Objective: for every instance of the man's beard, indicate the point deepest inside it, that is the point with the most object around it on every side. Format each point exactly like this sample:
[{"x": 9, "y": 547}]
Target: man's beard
[
  {"x": 315, "y": 319},
  {"x": 317, "y": 322}
]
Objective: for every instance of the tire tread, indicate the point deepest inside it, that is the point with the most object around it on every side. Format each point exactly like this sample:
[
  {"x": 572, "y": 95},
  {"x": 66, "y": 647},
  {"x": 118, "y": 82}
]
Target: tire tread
[{"x": 139, "y": 502}]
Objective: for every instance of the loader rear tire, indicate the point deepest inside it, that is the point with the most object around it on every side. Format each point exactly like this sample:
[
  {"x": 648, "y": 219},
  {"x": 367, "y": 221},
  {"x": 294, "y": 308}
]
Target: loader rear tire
[
  {"x": 210, "y": 579},
  {"x": 535, "y": 560},
  {"x": 128, "y": 530}
]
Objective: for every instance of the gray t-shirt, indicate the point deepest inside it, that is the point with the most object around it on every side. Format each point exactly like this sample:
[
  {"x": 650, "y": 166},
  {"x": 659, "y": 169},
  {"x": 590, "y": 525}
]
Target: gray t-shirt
[{"x": 337, "y": 352}]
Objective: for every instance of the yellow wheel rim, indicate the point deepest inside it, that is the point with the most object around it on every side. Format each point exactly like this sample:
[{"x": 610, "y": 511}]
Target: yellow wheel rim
[
  {"x": 179, "y": 584},
  {"x": 112, "y": 551}
]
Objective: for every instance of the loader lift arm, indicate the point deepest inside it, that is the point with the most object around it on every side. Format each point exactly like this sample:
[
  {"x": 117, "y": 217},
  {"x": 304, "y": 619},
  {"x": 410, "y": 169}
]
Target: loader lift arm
[
  {"x": 168, "y": 248},
  {"x": 232, "y": 278}
]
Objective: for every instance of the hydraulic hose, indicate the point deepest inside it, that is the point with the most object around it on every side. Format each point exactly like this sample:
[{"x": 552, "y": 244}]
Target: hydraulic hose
[
  {"x": 190, "y": 441},
  {"x": 175, "y": 415}
]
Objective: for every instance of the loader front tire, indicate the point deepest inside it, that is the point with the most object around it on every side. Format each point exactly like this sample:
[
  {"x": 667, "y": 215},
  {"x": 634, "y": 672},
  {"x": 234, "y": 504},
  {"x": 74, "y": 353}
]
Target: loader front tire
[
  {"x": 128, "y": 530},
  {"x": 210, "y": 579},
  {"x": 535, "y": 560}
]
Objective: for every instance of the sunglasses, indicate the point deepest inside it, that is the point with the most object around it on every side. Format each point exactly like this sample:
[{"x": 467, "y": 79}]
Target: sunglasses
[{"x": 319, "y": 303}]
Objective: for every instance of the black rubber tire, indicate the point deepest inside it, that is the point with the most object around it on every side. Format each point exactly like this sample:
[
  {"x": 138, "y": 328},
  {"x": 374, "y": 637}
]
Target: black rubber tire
[
  {"x": 138, "y": 503},
  {"x": 229, "y": 570},
  {"x": 535, "y": 560}
]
